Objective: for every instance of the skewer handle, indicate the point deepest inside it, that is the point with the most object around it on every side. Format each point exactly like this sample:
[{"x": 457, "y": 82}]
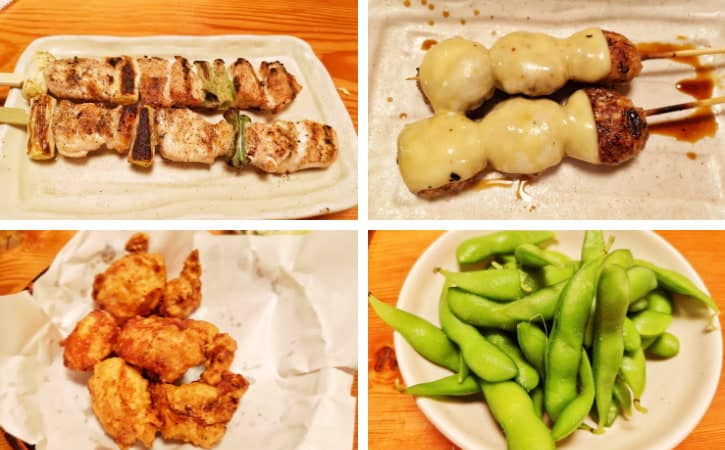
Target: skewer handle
[
  {"x": 683, "y": 53},
  {"x": 13, "y": 116},
  {"x": 11, "y": 79},
  {"x": 683, "y": 106}
]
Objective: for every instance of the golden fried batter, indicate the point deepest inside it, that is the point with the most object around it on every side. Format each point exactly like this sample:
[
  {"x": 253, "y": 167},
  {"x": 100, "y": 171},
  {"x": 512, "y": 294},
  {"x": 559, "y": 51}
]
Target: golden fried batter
[
  {"x": 164, "y": 346},
  {"x": 131, "y": 286},
  {"x": 183, "y": 295},
  {"x": 120, "y": 398},
  {"x": 90, "y": 341},
  {"x": 138, "y": 242},
  {"x": 219, "y": 357},
  {"x": 198, "y": 412}
]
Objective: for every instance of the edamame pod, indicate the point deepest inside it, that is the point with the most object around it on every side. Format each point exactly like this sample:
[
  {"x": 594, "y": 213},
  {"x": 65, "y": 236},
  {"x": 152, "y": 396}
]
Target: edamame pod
[
  {"x": 679, "y": 284},
  {"x": 482, "y": 357},
  {"x": 651, "y": 323},
  {"x": 564, "y": 346},
  {"x": 425, "y": 338},
  {"x": 551, "y": 275},
  {"x": 612, "y": 413},
  {"x": 665, "y": 346},
  {"x": 637, "y": 306},
  {"x": 621, "y": 257},
  {"x": 577, "y": 410},
  {"x": 593, "y": 245},
  {"x": 533, "y": 344},
  {"x": 447, "y": 386},
  {"x": 634, "y": 372},
  {"x": 482, "y": 312},
  {"x": 463, "y": 370},
  {"x": 641, "y": 282},
  {"x": 659, "y": 301},
  {"x": 527, "y": 377},
  {"x": 502, "y": 285},
  {"x": 514, "y": 410},
  {"x": 530, "y": 255},
  {"x": 632, "y": 339},
  {"x": 611, "y": 310},
  {"x": 537, "y": 396},
  {"x": 479, "y": 248},
  {"x": 624, "y": 397}
]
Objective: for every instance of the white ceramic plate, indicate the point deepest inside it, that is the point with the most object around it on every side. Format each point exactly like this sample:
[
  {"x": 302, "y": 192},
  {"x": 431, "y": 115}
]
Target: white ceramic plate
[
  {"x": 104, "y": 185},
  {"x": 662, "y": 182},
  {"x": 678, "y": 390}
]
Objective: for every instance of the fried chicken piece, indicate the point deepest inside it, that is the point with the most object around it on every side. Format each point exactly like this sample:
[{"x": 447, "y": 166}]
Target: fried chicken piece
[
  {"x": 131, "y": 286},
  {"x": 164, "y": 346},
  {"x": 138, "y": 243},
  {"x": 90, "y": 342},
  {"x": 183, "y": 295},
  {"x": 219, "y": 357},
  {"x": 198, "y": 412},
  {"x": 121, "y": 400}
]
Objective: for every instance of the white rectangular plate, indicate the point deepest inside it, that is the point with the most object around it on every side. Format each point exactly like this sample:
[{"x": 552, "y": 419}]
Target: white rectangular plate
[
  {"x": 104, "y": 185},
  {"x": 662, "y": 182}
]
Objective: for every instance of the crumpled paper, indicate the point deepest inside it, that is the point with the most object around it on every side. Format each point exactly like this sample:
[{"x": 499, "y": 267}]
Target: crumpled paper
[{"x": 288, "y": 300}]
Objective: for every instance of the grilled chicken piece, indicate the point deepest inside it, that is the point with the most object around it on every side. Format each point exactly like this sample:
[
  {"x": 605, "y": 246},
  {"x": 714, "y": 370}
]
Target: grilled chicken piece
[
  {"x": 186, "y": 85},
  {"x": 79, "y": 128},
  {"x": 283, "y": 147},
  {"x": 113, "y": 80},
  {"x": 154, "y": 86},
  {"x": 186, "y": 136},
  {"x": 274, "y": 89}
]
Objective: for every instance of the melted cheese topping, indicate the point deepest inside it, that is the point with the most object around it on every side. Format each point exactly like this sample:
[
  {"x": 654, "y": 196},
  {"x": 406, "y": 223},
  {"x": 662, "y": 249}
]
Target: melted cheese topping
[
  {"x": 519, "y": 135},
  {"x": 443, "y": 148},
  {"x": 587, "y": 53},
  {"x": 456, "y": 75}
]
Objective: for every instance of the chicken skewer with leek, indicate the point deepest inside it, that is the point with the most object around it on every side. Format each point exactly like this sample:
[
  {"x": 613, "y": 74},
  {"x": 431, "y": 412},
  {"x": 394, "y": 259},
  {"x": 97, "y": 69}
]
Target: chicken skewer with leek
[
  {"x": 459, "y": 74},
  {"x": 76, "y": 129},
  {"x": 161, "y": 82},
  {"x": 445, "y": 153}
]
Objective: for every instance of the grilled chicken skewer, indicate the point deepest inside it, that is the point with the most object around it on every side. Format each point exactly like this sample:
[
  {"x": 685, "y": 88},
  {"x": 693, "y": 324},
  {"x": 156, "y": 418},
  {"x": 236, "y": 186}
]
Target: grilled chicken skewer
[
  {"x": 179, "y": 134},
  {"x": 161, "y": 82},
  {"x": 459, "y": 74},
  {"x": 445, "y": 153}
]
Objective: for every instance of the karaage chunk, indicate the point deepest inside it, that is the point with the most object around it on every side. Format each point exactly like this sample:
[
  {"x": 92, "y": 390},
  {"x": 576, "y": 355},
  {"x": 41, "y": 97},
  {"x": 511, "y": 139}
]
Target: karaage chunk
[
  {"x": 91, "y": 341},
  {"x": 164, "y": 346},
  {"x": 219, "y": 357},
  {"x": 197, "y": 412},
  {"x": 131, "y": 286},
  {"x": 138, "y": 242},
  {"x": 183, "y": 295},
  {"x": 121, "y": 400}
]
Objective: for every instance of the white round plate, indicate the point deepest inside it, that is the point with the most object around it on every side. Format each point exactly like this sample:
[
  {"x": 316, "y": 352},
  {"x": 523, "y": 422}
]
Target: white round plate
[{"x": 678, "y": 392}]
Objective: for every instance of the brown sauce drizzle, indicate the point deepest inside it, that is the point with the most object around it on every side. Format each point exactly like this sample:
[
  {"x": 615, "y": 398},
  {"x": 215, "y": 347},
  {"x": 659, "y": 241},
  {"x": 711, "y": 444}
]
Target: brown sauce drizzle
[
  {"x": 519, "y": 184},
  {"x": 406, "y": 3},
  {"x": 701, "y": 122},
  {"x": 692, "y": 155},
  {"x": 427, "y": 44}
]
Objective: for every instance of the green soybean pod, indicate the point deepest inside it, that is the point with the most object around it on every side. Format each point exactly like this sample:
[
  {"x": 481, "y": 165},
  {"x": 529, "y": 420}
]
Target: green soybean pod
[
  {"x": 641, "y": 282},
  {"x": 479, "y": 311},
  {"x": 564, "y": 346},
  {"x": 530, "y": 255},
  {"x": 659, "y": 301},
  {"x": 679, "y": 284},
  {"x": 638, "y": 305},
  {"x": 479, "y": 248},
  {"x": 634, "y": 372},
  {"x": 463, "y": 370},
  {"x": 608, "y": 352},
  {"x": 537, "y": 396},
  {"x": 503, "y": 284},
  {"x": 514, "y": 410},
  {"x": 551, "y": 275},
  {"x": 527, "y": 377},
  {"x": 508, "y": 261},
  {"x": 593, "y": 246},
  {"x": 425, "y": 338},
  {"x": 612, "y": 413},
  {"x": 572, "y": 416},
  {"x": 446, "y": 386},
  {"x": 623, "y": 397},
  {"x": 632, "y": 339},
  {"x": 483, "y": 358},
  {"x": 665, "y": 346},
  {"x": 532, "y": 341},
  {"x": 651, "y": 323},
  {"x": 621, "y": 257}
]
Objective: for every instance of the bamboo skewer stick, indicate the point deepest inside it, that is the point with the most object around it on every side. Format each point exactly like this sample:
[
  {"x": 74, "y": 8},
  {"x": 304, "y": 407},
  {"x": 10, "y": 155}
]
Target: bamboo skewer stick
[
  {"x": 11, "y": 79},
  {"x": 14, "y": 116},
  {"x": 684, "y": 106},
  {"x": 682, "y": 53}
]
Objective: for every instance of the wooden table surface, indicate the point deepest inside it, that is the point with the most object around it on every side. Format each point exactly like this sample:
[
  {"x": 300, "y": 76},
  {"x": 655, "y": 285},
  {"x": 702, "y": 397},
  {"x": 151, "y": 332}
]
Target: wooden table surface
[
  {"x": 24, "y": 255},
  {"x": 329, "y": 27},
  {"x": 394, "y": 420}
]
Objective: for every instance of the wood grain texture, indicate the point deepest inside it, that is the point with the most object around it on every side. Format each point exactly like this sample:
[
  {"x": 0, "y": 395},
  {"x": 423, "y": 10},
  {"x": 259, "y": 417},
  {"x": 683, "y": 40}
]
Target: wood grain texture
[
  {"x": 394, "y": 420},
  {"x": 26, "y": 254},
  {"x": 329, "y": 27}
]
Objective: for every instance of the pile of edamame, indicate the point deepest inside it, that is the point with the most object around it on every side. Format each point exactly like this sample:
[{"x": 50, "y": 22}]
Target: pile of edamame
[{"x": 548, "y": 339}]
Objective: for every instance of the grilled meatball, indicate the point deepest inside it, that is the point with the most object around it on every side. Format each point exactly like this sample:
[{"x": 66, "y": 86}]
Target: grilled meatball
[
  {"x": 621, "y": 127},
  {"x": 624, "y": 56}
]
